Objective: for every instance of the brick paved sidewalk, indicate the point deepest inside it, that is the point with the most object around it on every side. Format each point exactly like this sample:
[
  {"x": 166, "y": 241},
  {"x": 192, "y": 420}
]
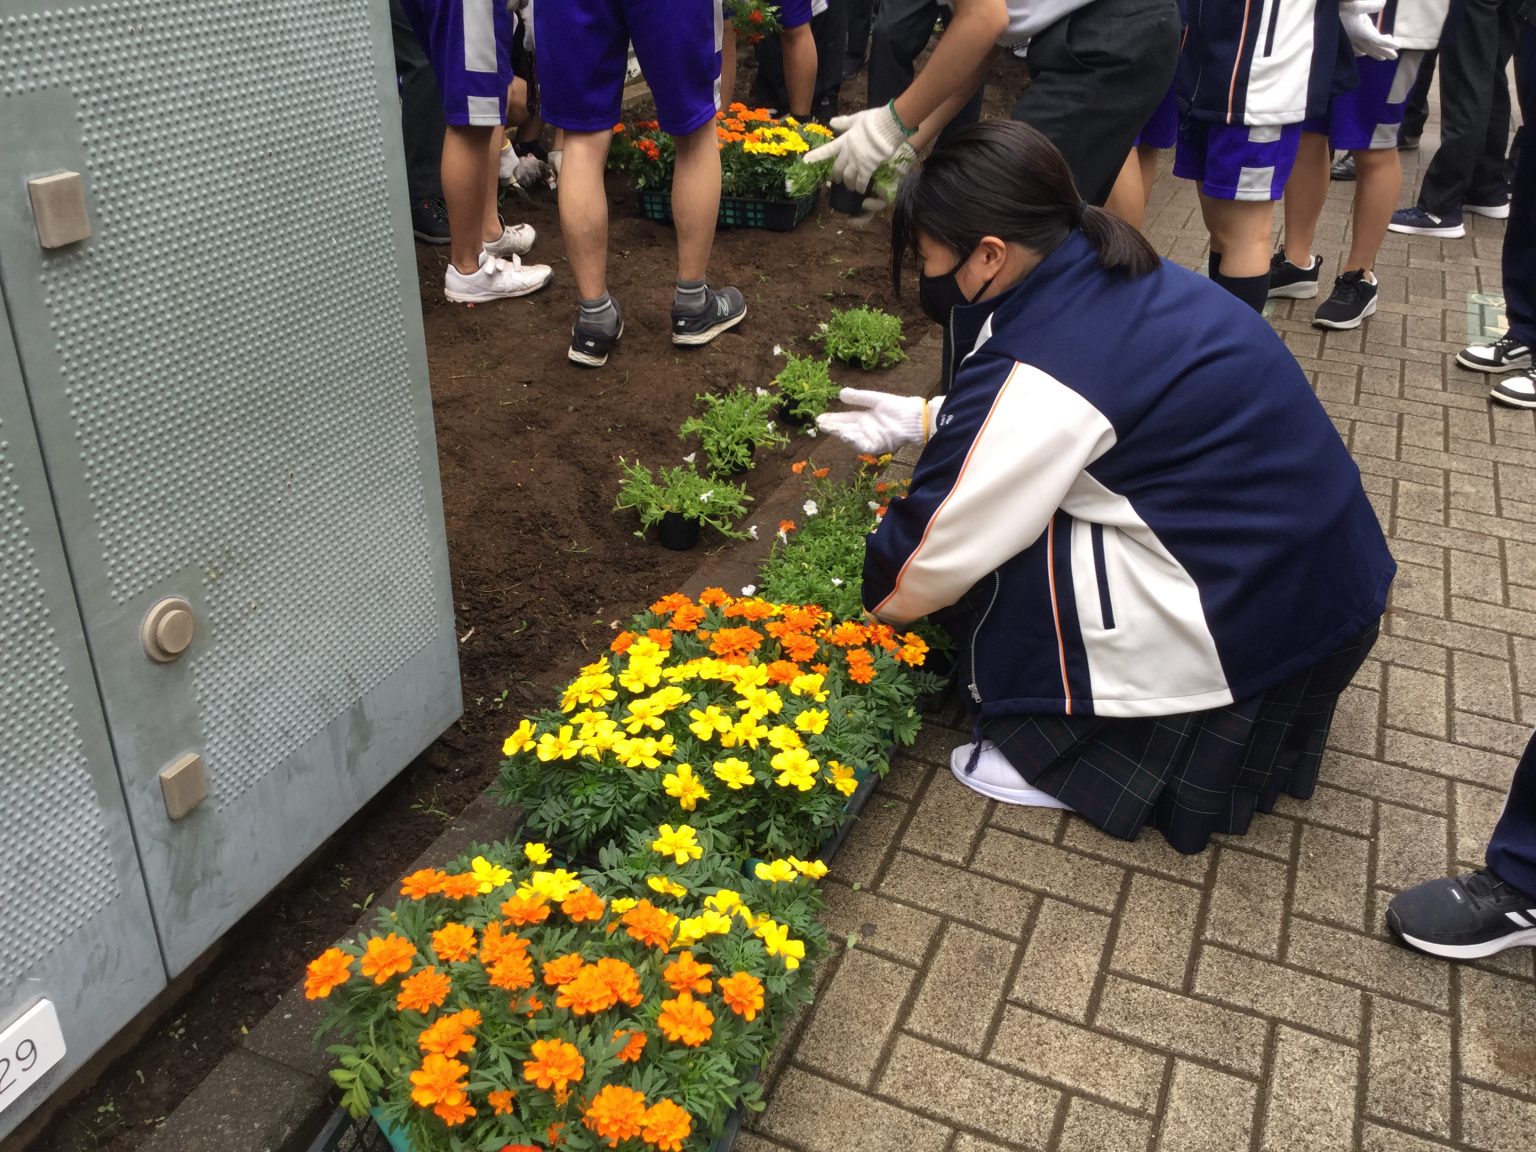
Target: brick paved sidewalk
[{"x": 1014, "y": 978}]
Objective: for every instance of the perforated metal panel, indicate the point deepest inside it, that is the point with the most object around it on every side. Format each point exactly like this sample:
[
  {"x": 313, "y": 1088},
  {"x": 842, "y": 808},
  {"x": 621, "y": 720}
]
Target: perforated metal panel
[
  {"x": 229, "y": 385},
  {"x": 73, "y": 913}
]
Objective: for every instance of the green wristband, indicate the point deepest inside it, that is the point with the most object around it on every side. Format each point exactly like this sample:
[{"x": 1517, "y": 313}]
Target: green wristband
[{"x": 905, "y": 131}]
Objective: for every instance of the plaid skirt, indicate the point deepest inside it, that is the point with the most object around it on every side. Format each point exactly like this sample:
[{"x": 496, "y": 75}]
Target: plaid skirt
[{"x": 1189, "y": 775}]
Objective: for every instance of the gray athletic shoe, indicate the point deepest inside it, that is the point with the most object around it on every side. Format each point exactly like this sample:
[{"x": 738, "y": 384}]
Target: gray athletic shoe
[{"x": 723, "y": 309}]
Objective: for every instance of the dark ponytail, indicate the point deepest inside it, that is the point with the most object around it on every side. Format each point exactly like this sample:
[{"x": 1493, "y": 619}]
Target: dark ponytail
[{"x": 1003, "y": 178}]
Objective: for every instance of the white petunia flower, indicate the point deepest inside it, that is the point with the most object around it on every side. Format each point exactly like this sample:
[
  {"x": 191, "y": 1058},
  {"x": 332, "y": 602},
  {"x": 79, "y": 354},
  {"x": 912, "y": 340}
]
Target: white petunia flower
[
  {"x": 752, "y": 531},
  {"x": 810, "y": 508},
  {"x": 837, "y": 582},
  {"x": 810, "y": 430},
  {"x": 704, "y": 496},
  {"x": 777, "y": 351},
  {"x": 762, "y": 391},
  {"x": 749, "y": 589},
  {"x": 874, "y": 505},
  {"x": 688, "y": 459}
]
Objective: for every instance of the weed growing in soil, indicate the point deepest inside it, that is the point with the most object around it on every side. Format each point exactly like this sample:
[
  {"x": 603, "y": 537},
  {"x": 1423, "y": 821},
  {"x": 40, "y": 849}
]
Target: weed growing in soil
[
  {"x": 864, "y": 336},
  {"x": 709, "y": 501},
  {"x": 731, "y": 428}
]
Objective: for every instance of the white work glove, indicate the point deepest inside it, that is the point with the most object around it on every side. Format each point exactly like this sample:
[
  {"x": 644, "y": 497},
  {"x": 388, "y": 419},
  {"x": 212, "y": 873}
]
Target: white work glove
[
  {"x": 865, "y": 141},
  {"x": 1364, "y": 37},
  {"x": 882, "y": 422}
]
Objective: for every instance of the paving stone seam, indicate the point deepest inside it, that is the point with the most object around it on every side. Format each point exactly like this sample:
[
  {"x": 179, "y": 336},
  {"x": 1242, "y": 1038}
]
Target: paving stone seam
[
  {"x": 1363, "y": 1071},
  {"x": 995, "y": 878},
  {"x": 904, "y": 1011},
  {"x": 1266, "y": 1087},
  {"x": 1107, "y": 952},
  {"x": 1021, "y": 947}
]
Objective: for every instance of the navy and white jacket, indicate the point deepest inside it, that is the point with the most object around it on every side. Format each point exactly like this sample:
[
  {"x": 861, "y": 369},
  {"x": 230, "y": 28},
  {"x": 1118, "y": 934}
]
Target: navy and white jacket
[
  {"x": 1132, "y": 503},
  {"x": 1261, "y": 62}
]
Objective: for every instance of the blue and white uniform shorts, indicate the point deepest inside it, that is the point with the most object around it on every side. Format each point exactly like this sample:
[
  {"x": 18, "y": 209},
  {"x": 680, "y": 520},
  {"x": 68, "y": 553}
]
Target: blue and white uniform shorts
[
  {"x": 582, "y": 50},
  {"x": 1368, "y": 117},
  {"x": 793, "y": 13},
  {"x": 469, "y": 44},
  {"x": 1237, "y": 161}
]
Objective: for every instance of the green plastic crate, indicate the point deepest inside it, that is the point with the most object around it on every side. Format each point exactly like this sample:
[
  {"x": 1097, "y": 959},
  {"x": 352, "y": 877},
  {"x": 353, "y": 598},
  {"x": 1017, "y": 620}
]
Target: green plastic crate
[{"x": 735, "y": 211}]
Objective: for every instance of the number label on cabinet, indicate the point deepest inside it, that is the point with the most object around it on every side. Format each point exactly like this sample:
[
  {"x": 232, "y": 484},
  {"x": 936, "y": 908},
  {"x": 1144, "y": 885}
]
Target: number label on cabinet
[{"x": 28, "y": 1048}]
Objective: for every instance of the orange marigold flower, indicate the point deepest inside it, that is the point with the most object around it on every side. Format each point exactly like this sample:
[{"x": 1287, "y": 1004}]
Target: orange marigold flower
[
  {"x": 750, "y": 609},
  {"x": 563, "y": 969},
  {"x": 735, "y": 643},
  {"x": 437, "y": 1079},
  {"x": 786, "y": 525},
  {"x": 783, "y": 671},
  {"x": 495, "y": 944},
  {"x": 423, "y": 992},
  {"x": 529, "y": 908},
  {"x": 455, "y": 1109},
  {"x": 714, "y": 597},
  {"x": 512, "y": 973},
  {"x": 845, "y": 634},
  {"x": 501, "y": 1102},
  {"x": 621, "y": 642},
  {"x": 661, "y": 637},
  {"x": 820, "y": 669},
  {"x": 325, "y": 973},
  {"x": 685, "y": 1020},
  {"x": 743, "y": 994},
  {"x": 618, "y": 129},
  {"x": 797, "y": 647},
  {"x": 866, "y": 458},
  {"x": 447, "y": 1036},
  {"x": 461, "y": 886},
  {"x": 555, "y": 1065},
  {"x": 914, "y": 649},
  {"x": 821, "y": 473},
  {"x": 634, "y": 1045},
  {"x": 666, "y": 1126},
  {"x": 670, "y": 603},
  {"x": 798, "y": 466},
  {"x": 883, "y": 635},
  {"x": 687, "y": 618},
  {"x": 861, "y": 673},
  {"x": 616, "y": 1113},
  {"x": 802, "y": 617},
  {"x": 454, "y": 942},
  {"x": 552, "y": 1135},
  {"x": 650, "y": 925},
  {"x": 685, "y": 974},
  {"x": 587, "y": 994},
  {"x": 582, "y": 904},
  {"x": 422, "y": 883},
  {"x": 387, "y": 956},
  {"x": 531, "y": 1005},
  {"x": 622, "y": 980}
]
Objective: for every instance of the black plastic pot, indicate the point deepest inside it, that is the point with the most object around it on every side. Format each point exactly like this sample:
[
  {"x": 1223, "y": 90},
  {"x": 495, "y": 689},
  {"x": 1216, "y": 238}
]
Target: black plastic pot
[
  {"x": 788, "y": 415},
  {"x": 677, "y": 532},
  {"x": 846, "y": 200}
]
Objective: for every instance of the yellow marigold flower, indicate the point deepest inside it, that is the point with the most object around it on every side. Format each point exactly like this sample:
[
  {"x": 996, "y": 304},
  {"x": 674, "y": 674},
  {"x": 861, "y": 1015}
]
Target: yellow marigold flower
[
  {"x": 554, "y": 886},
  {"x": 708, "y": 722},
  {"x": 784, "y": 738},
  {"x": 437, "y": 1079},
  {"x": 645, "y": 712},
  {"x": 809, "y": 685},
  {"x": 734, "y": 773},
  {"x": 666, "y": 887},
  {"x": 684, "y": 786},
  {"x": 637, "y": 752},
  {"x": 813, "y": 720},
  {"x": 491, "y": 876},
  {"x": 743, "y": 994},
  {"x": 796, "y": 769},
  {"x": 621, "y": 904},
  {"x": 723, "y": 901},
  {"x": 667, "y": 1126},
  {"x": 423, "y": 991},
  {"x": 616, "y": 1114},
  {"x": 537, "y": 854},
  {"x": 680, "y": 843},
  {"x": 777, "y": 941},
  {"x": 454, "y": 943},
  {"x": 686, "y": 1021},
  {"x": 521, "y": 739},
  {"x": 747, "y": 731},
  {"x": 387, "y": 956},
  {"x": 815, "y": 869},
  {"x": 559, "y": 745},
  {"x": 775, "y": 871},
  {"x": 759, "y": 701},
  {"x": 555, "y": 1066},
  {"x": 325, "y": 973},
  {"x": 666, "y": 746},
  {"x": 596, "y": 668}
]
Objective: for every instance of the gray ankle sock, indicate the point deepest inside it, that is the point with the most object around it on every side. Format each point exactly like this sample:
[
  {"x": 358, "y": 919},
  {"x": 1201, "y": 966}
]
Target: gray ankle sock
[
  {"x": 689, "y": 296},
  {"x": 601, "y": 313}
]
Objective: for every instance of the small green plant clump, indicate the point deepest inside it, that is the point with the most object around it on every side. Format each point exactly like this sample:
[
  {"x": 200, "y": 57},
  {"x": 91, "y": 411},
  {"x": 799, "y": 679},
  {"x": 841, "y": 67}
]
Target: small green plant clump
[
  {"x": 864, "y": 336},
  {"x": 805, "y": 387},
  {"x": 712, "y": 502},
  {"x": 732, "y": 427}
]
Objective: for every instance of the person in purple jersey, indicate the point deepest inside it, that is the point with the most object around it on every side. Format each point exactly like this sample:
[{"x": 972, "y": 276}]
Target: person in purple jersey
[
  {"x": 1364, "y": 122},
  {"x": 583, "y": 49},
  {"x": 469, "y": 45}
]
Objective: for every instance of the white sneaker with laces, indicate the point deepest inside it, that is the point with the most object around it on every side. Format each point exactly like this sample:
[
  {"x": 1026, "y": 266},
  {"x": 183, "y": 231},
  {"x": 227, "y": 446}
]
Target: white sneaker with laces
[
  {"x": 996, "y": 779},
  {"x": 1516, "y": 391},
  {"x": 515, "y": 240},
  {"x": 495, "y": 279}
]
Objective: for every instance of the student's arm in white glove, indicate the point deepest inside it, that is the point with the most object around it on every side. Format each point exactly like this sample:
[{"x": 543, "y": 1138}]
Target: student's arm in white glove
[
  {"x": 881, "y": 421},
  {"x": 1364, "y": 37}
]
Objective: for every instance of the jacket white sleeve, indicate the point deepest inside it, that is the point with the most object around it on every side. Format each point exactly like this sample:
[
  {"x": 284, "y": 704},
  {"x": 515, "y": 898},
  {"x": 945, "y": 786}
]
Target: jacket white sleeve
[{"x": 988, "y": 482}]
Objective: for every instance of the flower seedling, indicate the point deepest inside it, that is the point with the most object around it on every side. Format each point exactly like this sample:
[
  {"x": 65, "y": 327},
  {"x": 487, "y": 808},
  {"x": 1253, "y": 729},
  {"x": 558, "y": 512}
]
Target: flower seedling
[
  {"x": 731, "y": 427},
  {"x": 864, "y": 336},
  {"x": 805, "y": 388}
]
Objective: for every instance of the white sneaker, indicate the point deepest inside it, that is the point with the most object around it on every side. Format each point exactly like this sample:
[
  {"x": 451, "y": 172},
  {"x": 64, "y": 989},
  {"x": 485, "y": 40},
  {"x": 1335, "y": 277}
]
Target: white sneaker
[
  {"x": 515, "y": 240},
  {"x": 1492, "y": 211},
  {"x": 997, "y": 779},
  {"x": 495, "y": 279}
]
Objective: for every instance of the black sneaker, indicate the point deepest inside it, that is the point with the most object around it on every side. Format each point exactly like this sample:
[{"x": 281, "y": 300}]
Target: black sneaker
[
  {"x": 723, "y": 309},
  {"x": 429, "y": 221},
  {"x": 1407, "y": 143},
  {"x": 1506, "y": 354},
  {"x": 1516, "y": 391},
  {"x": 1463, "y": 918},
  {"x": 1291, "y": 282},
  {"x": 1353, "y": 299},
  {"x": 1343, "y": 168},
  {"x": 590, "y": 346}
]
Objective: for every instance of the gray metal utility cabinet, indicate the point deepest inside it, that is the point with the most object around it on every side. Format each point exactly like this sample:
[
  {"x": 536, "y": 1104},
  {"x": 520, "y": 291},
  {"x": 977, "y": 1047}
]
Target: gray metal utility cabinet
[{"x": 225, "y": 616}]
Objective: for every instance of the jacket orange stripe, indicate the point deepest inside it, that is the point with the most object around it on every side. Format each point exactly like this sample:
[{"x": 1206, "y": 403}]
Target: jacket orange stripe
[
  {"x": 1237, "y": 62},
  {"x": 1050, "y": 573},
  {"x": 955, "y": 487}
]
